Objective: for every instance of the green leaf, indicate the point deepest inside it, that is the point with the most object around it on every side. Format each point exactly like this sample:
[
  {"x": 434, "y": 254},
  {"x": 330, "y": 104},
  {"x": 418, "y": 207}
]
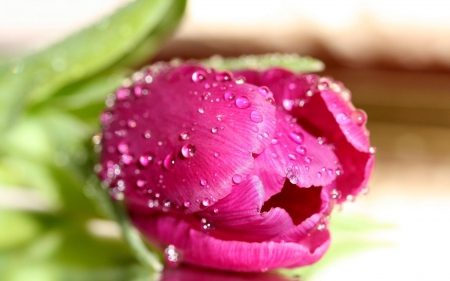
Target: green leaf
[
  {"x": 36, "y": 77},
  {"x": 292, "y": 62}
]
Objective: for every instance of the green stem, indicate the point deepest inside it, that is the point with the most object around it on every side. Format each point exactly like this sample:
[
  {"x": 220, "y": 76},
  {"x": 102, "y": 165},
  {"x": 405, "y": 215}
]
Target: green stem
[{"x": 134, "y": 240}]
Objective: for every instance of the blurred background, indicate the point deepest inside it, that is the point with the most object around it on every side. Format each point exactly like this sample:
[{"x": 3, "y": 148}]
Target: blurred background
[{"x": 393, "y": 55}]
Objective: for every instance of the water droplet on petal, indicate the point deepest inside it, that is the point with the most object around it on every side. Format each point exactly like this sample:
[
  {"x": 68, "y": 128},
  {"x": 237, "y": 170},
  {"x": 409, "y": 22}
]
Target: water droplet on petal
[
  {"x": 169, "y": 162},
  {"x": 291, "y": 177},
  {"x": 123, "y": 147},
  {"x": 335, "y": 194},
  {"x": 171, "y": 256},
  {"x": 214, "y": 130},
  {"x": 198, "y": 76},
  {"x": 254, "y": 129},
  {"x": 184, "y": 136},
  {"x": 288, "y": 104},
  {"x": 203, "y": 182},
  {"x": 297, "y": 137},
  {"x": 147, "y": 134},
  {"x": 122, "y": 94},
  {"x": 301, "y": 150},
  {"x": 359, "y": 117},
  {"x": 319, "y": 175},
  {"x": 131, "y": 123},
  {"x": 141, "y": 183},
  {"x": 216, "y": 154},
  {"x": 216, "y": 211},
  {"x": 263, "y": 90},
  {"x": 338, "y": 172},
  {"x": 342, "y": 118},
  {"x": 372, "y": 150},
  {"x": 223, "y": 76},
  {"x": 292, "y": 156},
  {"x": 206, "y": 202},
  {"x": 127, "y": 159},
  {"x": 237, "y": 179},
  {"x": 242, "y": 102},
  {"x": 307, "y": 159},
  {"x": 201, "y": 110},
  {"x": 187, "y": 204},
  {"x": 188, "y": 150},
  {"x": 256, "y": 116},
  {"x": 145, "y": 160},
  {"x": 274, "y": 141},
  {"x": 228, "y": 96}
]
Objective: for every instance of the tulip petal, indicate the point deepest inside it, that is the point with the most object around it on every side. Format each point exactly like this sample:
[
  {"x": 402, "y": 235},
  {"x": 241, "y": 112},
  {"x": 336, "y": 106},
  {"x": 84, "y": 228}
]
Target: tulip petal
[
  {"x": 238, "y": 216},
  {"x": 178, "y": 135},
  {"x": 295, "y": 155},
  {"x": 199, "y": 248},
  {"x": 323, "y": 108}
]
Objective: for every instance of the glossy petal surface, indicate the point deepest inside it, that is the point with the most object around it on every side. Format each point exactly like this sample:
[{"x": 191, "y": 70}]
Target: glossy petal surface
[
  {"x": 179, "y": 135},
  {"x": 204, "y": 250}
]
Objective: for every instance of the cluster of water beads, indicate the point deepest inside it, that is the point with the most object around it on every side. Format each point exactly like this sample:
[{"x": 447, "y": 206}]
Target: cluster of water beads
[{"x": 171, "y": 256}]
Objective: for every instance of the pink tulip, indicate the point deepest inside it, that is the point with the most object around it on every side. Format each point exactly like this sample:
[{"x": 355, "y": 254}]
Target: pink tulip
[{"x": 237, "y": 174}]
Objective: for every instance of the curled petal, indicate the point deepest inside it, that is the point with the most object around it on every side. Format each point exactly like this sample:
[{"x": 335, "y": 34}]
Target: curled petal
[
  {"x": 238, "y": 216},
  {"x": 295, "y": 155},
  {"x": 178, "y": 136},
  {"x": 201, "y": 249},
  {"x": 323, "y": 108}
]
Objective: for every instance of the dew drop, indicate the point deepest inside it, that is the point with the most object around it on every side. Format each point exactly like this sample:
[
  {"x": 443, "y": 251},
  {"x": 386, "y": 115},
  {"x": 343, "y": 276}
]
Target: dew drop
[
  {"x": 263, "y": 90},
  {"x": 216, "y": 211},
  {"x": 372, "y": 150},
  {"x": 131, "y": 123},
  {"x": 237, "y": 179},
  {"x": 292, "y": 156},
  {"x": 147, "y": 134},
  {"x": 338, "y": 172},
  {"x": 335, "y": 194},
  {"x": 198, "y": 76},
  {"x": 186, "y": 204},
  {"x": 223, "y": 76},
  {"x": 141, "y": 183},
  {"x": 342, "y": 118},
  {"x": 201, "y": 110},
  {"x": 301, "y": 150},
  {"x": 274, "y": 141},
  {"x": 123, "y": 147},
  {"x": 297, "y": 137},
  {"x": 288, "y": 104},
  {"x": 307, "y": 159},
  {"x": 214, "y": 130},
  {"x": 184, "y": 136},
  {"x": 319, "y": 175},
  {"x": 169, "y": 162},
  {"x": 171, "y": 256},
  {"x": 122, "y": 94},
  {"x": 127, "y": 159},
  {"x": 291, "y": 177},
  {"x": 203, "y": 182},
  {"x": 145, "y": 160},
  {"x": 188, "y": 150},
  {"x": 254, "y": 129},
  {"x": 242, "y": 102},
  {"x": 256, "y": 116},
  {"x": 359, "y": 117},
  {"x": 228, "y": 96},
  {"x": 206, "y": 202},
  {"x": 216, "y": 154}
]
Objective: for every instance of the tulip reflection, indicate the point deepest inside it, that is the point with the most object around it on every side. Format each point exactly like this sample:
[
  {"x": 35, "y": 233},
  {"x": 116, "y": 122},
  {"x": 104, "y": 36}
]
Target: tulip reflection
[{"x": 188, "y": 273}]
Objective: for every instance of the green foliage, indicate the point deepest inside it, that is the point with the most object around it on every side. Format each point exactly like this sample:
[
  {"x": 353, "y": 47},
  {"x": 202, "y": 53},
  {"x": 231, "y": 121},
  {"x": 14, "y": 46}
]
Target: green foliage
[{"x": 49, "y": 107}]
